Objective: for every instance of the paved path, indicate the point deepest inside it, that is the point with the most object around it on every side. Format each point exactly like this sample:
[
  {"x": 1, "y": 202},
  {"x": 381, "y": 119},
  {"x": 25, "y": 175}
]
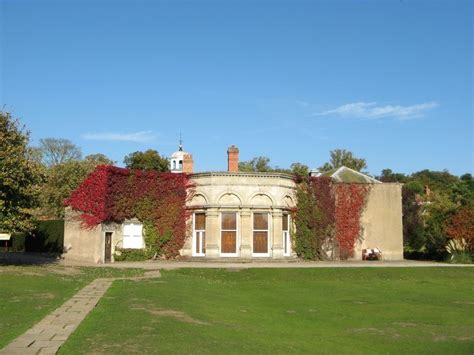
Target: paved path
[
  {"x": 47, "y": 336},
  {"x": 241, "y": 264},
  {"x": 50, "y": 333}
]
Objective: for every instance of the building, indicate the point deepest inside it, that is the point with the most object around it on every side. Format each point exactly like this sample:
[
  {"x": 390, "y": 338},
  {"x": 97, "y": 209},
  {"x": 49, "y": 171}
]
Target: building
[{"x": 244, "y": 215}]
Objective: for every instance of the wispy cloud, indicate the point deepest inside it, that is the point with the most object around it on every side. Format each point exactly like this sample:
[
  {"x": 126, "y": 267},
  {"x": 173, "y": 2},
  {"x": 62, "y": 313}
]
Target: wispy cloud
[
  {"x": 303, "y": 103},
  {"x": 141, "y": 136},
  {"x": 373, "y": 110}
]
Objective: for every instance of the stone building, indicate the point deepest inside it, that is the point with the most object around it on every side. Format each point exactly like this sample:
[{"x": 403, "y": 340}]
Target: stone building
[{"x": 243, "y": 215}]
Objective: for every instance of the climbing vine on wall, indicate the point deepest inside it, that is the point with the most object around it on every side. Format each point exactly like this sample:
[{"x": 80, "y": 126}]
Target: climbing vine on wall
[
  {"x": 327, "y": 217},
  {"x": 314, "y": 218},
  {"x": 350, "y": 202},
  {"x": 158, "y": 200}
]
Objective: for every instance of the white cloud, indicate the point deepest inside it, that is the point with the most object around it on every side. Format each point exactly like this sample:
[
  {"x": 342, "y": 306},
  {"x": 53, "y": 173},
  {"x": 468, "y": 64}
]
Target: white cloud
[
  {"x": 372, "y": 110},
  {"x": 142, "y": 136}
]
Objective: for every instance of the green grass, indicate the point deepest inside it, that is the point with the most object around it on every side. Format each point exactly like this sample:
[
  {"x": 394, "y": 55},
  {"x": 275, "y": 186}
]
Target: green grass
[
  {"x": 391, "y": 310},
  {"x": 29, "y": 293}
]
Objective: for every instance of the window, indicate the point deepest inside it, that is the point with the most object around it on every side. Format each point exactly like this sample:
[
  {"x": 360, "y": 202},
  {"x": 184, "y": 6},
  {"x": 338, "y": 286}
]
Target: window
[
  {"x": 229, "y": 233},
  {"x": 132, "y": 236},
  {"x": 260, "y": 233},
  {"x": 199, "y": 234},
  {"x": 174, "y": 165},
  {"x": 286, "y": 235},
  {"x": 180, "y": 165}
]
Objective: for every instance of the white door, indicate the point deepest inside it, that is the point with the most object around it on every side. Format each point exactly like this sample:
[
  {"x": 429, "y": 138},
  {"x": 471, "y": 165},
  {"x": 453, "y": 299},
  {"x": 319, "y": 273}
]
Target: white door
[
  {"x": 199, "y": 234},
  {"x": 286, "y": 235}
]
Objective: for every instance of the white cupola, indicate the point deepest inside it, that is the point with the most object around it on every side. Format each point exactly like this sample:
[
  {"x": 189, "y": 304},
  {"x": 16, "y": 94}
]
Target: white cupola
[{"x": 181, "y": 161}]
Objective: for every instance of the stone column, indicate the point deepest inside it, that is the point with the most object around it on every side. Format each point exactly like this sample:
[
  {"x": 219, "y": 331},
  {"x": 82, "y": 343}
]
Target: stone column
[
  {"x": 245, "y": 234},
  {"x": 277, "y": 234},
  {"x": 212, "y": 233}
]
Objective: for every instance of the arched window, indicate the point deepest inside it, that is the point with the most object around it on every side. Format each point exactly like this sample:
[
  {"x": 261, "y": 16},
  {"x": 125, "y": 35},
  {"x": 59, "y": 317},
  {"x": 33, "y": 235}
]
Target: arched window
[{"x": 174, "y": 165}]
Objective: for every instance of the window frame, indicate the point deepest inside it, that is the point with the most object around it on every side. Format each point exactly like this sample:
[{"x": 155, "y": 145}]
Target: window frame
[
  {"x": 195, "y": 231},
  {"x": 130, "y": 238},
  {"x": 237, "y": 234},
  {"x": 268, "y": 230}
]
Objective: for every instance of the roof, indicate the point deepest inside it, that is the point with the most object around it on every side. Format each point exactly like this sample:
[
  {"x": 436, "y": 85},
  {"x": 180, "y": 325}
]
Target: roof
[{"x": 345, "y": 174}]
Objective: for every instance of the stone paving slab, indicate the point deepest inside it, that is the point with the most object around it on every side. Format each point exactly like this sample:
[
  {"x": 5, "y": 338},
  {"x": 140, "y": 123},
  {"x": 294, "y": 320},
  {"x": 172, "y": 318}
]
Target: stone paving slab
[{"x": 47, "y": 336}]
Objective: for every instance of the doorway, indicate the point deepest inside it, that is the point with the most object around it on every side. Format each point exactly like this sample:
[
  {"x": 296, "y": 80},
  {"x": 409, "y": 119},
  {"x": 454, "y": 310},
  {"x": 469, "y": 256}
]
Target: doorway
[{"x": 108, "y": 247}]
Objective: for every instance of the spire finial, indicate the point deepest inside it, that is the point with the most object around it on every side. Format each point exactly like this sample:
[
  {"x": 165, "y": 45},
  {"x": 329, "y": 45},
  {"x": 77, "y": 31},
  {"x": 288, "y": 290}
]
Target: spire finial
[{"x": 180, "y": 142}]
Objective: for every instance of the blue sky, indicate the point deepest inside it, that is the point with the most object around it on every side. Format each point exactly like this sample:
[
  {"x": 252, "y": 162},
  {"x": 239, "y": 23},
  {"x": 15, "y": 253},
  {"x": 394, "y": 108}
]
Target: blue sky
[{"x": 391, "y": 81}]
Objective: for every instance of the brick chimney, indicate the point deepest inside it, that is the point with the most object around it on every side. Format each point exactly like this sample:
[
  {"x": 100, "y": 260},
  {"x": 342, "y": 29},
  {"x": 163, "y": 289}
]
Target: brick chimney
[
  {"x": 187, "y": 163},
  {"x": 233, "y": 158}
]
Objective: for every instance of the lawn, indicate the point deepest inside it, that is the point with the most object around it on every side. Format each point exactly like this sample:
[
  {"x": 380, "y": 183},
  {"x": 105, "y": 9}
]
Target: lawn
[
  {"x": 28, "y": 293},
  {"x": 376, "y": 310}
]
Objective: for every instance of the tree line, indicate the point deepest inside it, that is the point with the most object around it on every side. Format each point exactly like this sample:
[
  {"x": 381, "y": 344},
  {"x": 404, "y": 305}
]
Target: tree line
[{"x": 34, "y": 181}]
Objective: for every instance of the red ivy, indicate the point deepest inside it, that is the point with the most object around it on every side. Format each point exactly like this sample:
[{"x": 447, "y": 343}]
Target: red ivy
[
  {"x": 350, "y": 202},
  {"x": 115, "y": 194},
  {"x": 335, "y": 204}
]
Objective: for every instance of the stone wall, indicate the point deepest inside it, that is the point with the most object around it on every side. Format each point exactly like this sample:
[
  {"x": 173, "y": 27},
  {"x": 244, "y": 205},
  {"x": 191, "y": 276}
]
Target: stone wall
[
  {"x": 82, "y": 244},
  {"x": 382, "y": 222}
]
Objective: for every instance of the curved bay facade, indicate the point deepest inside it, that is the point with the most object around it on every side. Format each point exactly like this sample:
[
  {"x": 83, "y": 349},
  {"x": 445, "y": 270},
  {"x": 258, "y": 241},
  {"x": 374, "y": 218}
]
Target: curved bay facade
[{"x": 237, "y": 214}]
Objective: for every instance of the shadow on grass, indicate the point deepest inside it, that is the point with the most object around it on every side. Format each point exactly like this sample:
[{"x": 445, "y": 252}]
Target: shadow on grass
[{"x": 21, "y": 258}]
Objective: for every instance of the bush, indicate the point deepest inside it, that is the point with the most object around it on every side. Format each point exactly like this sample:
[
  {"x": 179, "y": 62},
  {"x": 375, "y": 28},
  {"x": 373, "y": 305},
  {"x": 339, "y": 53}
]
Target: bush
[
  {"x": 47, "y": 237},
  {"x": 461, "y": 257},
  {"x": 131, "y": 255}
]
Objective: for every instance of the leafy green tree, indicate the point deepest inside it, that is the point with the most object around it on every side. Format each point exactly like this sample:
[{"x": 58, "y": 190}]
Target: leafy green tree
[
  {"x": 20, "y": 177},
  {"x": 299, "y": 169},
  {"x": 62, "y": 179},
  {"x": 413, "y": 226},
  {"x": 440, "y": 181},
  {"x": 148, "y": 160},
  {"x": 98, "y": 159},
  {"x": 389, "y": 176},
  {"x": 437, "y": 212},
  {"x": 55, "y": 151},
  {"x": 342, "y": 157},
  {"x": 260, "y": 164}
]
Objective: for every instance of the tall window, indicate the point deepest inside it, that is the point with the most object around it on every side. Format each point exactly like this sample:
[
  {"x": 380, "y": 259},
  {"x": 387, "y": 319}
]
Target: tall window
[
  {"x": 199, "y": 235},
  {"x": 260, "y": 233},
  {"x": 132, "y": 236},
  {"x": 286, "y": 235},
  {"x": 229, "y": 233}
]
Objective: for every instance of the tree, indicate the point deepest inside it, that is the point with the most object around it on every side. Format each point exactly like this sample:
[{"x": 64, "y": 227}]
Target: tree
[
  {"x": 148, "y": 160},
  {"x": 20, "y": 177},
  {"x": 58, "y": 150},
  {"x": 461, "y": 225},
  {"x": 299, "y": 169},
  {"x": 98, "y": 159},
  {"x": 260, "y": 164},
  {"x": 62, "y": 179},
  {"x": 342, "y": 157},
  {"x": 413, "y": 228},
  {"x": 389, "y": 176}
]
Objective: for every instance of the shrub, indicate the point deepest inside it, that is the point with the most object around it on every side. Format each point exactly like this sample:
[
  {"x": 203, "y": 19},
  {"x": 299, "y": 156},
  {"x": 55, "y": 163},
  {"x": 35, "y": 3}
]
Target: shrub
[
  {"x": 131, "y": 255},
  {"x": 458, "y": 250},
  {"x": 47, "y": 237}
]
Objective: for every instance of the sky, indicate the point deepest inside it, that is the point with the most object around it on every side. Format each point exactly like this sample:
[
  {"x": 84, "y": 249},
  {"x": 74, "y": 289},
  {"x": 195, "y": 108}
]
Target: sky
[{"x": 391, "y": 81}]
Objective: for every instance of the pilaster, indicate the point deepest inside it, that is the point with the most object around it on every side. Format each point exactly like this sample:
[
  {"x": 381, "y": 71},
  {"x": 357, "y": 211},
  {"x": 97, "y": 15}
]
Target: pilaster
[
  {"x": 277, "y": 234},
  {"x": 212, "y": 233},
  {"x": 245, "y": 233}
]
